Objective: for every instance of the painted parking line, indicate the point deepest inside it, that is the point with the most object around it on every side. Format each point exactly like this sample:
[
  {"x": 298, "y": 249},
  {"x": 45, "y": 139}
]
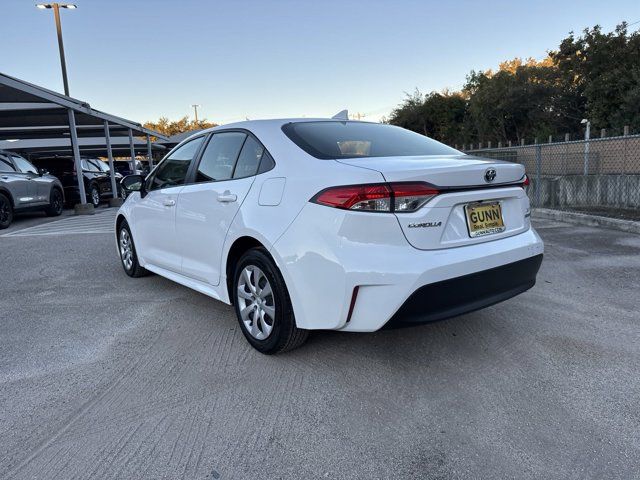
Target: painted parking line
[{"x": 101, "y": 222}]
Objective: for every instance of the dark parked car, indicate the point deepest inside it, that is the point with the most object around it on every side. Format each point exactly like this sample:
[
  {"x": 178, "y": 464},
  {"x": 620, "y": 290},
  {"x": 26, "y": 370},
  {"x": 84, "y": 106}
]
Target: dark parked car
[
  {"x": 24, "y": 187},
  {"x": 97, "y": 180},
  {"x": 124, "y": 168}
]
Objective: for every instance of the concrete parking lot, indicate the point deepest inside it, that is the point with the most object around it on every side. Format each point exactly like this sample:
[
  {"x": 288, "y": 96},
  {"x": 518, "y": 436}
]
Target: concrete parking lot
[{"x": 103, "y": 376}]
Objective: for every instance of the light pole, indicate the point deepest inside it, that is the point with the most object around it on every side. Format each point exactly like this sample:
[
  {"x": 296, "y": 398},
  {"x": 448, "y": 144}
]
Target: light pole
[
  {"x": 56, "y": 13},
  {"x": 195, "y": 109},
  {"x": 587, "y": 136}
]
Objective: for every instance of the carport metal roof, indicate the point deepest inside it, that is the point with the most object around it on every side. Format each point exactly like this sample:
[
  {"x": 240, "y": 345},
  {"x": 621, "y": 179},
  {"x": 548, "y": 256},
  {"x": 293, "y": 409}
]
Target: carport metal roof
[
  {"x": 31, "y": 111},
  {"x": 28, "y": 111},
  {"x": 89, "y": 146}
]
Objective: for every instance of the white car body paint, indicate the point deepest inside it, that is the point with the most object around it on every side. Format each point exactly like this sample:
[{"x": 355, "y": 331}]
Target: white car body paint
[
  {"x": 323, "y": 253},
  {"x": 271, "y": 192}
]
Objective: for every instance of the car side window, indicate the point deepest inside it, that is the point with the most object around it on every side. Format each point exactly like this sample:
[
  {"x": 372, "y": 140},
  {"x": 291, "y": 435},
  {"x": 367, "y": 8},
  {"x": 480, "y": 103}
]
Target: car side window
[
  {"x": 24, "y": 166},
  {"x": 219, "y": 158},
  {"x": 5, "y": 164},
  {"x": 249, "y": 159},
  {"x": 266, "y": 163},
  {"x": 172, "y": 171}
]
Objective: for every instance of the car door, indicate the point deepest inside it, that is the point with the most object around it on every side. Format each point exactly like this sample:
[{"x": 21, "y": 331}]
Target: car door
[
  {"x": 99, "y": 176},
  {"x": 16, "y": 184},
  {"x": 41, "y": 185},
  {"x": 153, "y": 215},
  {"x": 206, "y": 207},
  {"x": 23, "y": 186}
]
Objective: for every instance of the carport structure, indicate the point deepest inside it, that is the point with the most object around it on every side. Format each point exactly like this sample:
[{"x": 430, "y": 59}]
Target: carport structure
[{"x": 28, "y": 111}]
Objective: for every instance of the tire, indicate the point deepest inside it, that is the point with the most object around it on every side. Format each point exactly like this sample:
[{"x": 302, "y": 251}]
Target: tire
[
  {"x": 55, "y": 204},
  {"x": 94, "y": 196},
  {"x": 128, "y": 255},
  {"x": 6, "y": 212},
  {"x": 266, "y": 319}
]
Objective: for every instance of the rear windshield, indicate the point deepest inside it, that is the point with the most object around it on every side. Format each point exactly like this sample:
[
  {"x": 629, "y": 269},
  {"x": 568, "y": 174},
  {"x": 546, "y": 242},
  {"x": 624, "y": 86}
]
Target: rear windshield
[{"x": 328, "y": 140}]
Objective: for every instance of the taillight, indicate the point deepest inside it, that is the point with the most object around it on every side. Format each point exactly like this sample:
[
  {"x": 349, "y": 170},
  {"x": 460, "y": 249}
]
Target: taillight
[
  {"x": 378, "y": 197},
  {"x": 525, "y": 183},
  {"x": 409, "y": 197}
]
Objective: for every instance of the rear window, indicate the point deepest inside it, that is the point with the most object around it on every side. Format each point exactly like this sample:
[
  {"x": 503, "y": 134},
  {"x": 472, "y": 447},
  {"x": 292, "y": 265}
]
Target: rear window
[{"x": 328, "y": 140}]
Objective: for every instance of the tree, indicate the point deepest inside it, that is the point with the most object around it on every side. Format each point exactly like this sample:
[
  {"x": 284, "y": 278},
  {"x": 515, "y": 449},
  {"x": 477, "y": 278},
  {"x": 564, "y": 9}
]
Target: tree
[
  {"x": 595, "y": 76},
  {"x": 168, "y": 128},
  {"x": 437, "y": 115},
  {"x": 603, "y": 70}
]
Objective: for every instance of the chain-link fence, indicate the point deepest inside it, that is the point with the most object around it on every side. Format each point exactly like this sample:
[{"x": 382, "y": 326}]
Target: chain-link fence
[{"x": 599, "y": 175}]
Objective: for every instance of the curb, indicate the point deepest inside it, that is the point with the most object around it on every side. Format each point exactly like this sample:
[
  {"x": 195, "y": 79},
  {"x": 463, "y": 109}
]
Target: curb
[{"x": 574, "y": 218}]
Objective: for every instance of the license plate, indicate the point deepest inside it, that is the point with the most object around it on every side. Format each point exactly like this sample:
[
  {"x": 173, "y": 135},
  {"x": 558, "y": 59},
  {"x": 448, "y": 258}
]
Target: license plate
[{"x": 484, "y": 219}]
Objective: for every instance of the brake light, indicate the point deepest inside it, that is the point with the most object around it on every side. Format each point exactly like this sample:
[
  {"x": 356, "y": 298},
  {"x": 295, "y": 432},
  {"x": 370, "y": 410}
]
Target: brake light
[
  {"x": 525, "y": 183},
  {"x": 378, "y": 197}
]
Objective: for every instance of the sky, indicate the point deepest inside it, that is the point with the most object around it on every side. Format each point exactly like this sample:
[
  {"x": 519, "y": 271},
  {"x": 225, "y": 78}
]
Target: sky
[{"x": 142, "y": 59}]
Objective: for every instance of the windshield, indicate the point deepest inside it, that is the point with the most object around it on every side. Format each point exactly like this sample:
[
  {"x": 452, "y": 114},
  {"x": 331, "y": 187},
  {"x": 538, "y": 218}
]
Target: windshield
[{"x": 329, "y": 140}]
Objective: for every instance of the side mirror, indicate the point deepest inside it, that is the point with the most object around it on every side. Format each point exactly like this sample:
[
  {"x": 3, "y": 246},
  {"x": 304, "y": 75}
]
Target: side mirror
[
  {"x": 43, "y": 171},
  {"x": 132, "y": 183}
]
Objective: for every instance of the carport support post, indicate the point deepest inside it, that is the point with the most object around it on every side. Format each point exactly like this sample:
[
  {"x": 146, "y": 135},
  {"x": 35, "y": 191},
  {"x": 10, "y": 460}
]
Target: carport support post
[
  {"x": 149, "y": 154},
  {"x": 133, "y": 152},
  {"x": 115, "y": 201},
  {"x": 83, "y": 208}
]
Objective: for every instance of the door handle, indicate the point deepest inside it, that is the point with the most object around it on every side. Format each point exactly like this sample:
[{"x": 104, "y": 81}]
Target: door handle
[
  {"x": 4, "y": 177},
  {"x": 227, "y": 197},
  {"x": 169, "y": 203}
]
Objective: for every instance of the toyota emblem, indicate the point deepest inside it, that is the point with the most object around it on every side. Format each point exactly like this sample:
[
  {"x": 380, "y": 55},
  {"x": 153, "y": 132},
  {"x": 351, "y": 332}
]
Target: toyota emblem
[{"x": 490, "y": 174}]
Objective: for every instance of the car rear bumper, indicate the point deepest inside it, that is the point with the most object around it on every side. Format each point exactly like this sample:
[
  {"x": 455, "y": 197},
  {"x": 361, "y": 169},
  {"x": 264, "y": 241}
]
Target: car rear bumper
[
  {"x": 353, "y": 271},
  {"x": 467, "y": 293}
]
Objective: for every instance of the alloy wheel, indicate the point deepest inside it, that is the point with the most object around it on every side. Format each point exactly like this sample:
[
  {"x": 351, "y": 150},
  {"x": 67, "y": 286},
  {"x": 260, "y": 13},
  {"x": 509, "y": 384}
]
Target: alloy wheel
[
  {"x": 57, "y": 202},
  {"x": 256, "y": 302},
  {"x": 95, "y": 196},
  {"x": 126, "y": 249}
]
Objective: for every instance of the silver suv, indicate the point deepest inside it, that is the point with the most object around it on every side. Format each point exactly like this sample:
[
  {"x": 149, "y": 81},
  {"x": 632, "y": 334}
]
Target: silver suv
[{"x": 24, "y": 187}]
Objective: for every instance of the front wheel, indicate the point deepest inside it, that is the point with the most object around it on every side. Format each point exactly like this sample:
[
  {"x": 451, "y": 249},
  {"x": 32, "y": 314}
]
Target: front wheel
[
  {"x": 128, "y": 255},
  {"x": 6, "y": 212},
  {"x": 55, "y": 204},
  {"x": 94, "y": 196},
  {"x": 263, "y": 306}
]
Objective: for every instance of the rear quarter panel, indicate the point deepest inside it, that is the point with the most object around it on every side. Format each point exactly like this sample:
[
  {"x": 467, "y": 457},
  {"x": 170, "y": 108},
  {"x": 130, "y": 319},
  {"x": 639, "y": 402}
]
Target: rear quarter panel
[{"x": 300, "y": 177}]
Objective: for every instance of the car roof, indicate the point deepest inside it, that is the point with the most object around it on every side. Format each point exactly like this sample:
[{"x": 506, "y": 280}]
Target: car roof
[{"x": 275, "y": 122}]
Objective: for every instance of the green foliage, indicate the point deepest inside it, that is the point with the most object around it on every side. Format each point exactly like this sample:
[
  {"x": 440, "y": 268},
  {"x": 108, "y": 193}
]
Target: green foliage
[
  {"x": 168, "y": 128},
  {"x": 437, "y": 115},
  {"x": 594, "y": 76}
]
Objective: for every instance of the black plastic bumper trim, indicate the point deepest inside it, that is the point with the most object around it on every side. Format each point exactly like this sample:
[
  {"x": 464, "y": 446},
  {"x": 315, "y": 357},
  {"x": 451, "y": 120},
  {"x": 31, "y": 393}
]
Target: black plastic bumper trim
[{"x": 456, "y": 296}]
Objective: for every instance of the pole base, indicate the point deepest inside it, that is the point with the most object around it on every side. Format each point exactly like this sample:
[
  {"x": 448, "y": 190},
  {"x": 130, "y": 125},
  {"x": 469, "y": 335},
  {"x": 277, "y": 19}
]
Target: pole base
[
  {"x": 84, "y": 209},
  {"x": 115, "y": 202}
]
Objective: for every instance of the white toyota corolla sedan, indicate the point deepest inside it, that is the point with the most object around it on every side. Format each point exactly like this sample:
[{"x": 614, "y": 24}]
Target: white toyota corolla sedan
[{"x": 307, "y": 224}]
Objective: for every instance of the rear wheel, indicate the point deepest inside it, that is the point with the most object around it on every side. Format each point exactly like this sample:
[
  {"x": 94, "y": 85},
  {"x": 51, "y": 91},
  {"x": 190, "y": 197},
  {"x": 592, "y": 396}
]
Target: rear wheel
[
  {"x": 6, "y": 211},
  {"x": 55, "y": 204},
  {"x": 128, "y": 255},
  {"x": 263, "y": 306}
]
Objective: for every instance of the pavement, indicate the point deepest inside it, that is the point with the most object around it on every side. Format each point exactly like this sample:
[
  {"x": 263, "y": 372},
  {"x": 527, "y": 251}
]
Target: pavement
[{"x": 104, "y": 376}]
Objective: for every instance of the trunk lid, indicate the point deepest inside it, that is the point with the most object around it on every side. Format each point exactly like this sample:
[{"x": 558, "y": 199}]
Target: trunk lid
[
  {"x": 443, "y": 222},
  {"x": 441, "y": 171}
]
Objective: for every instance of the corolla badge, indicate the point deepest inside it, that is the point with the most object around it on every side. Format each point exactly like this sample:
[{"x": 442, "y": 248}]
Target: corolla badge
[
  {"x": 490, "y": 174},
  {"x": 425, "y": 225}
]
